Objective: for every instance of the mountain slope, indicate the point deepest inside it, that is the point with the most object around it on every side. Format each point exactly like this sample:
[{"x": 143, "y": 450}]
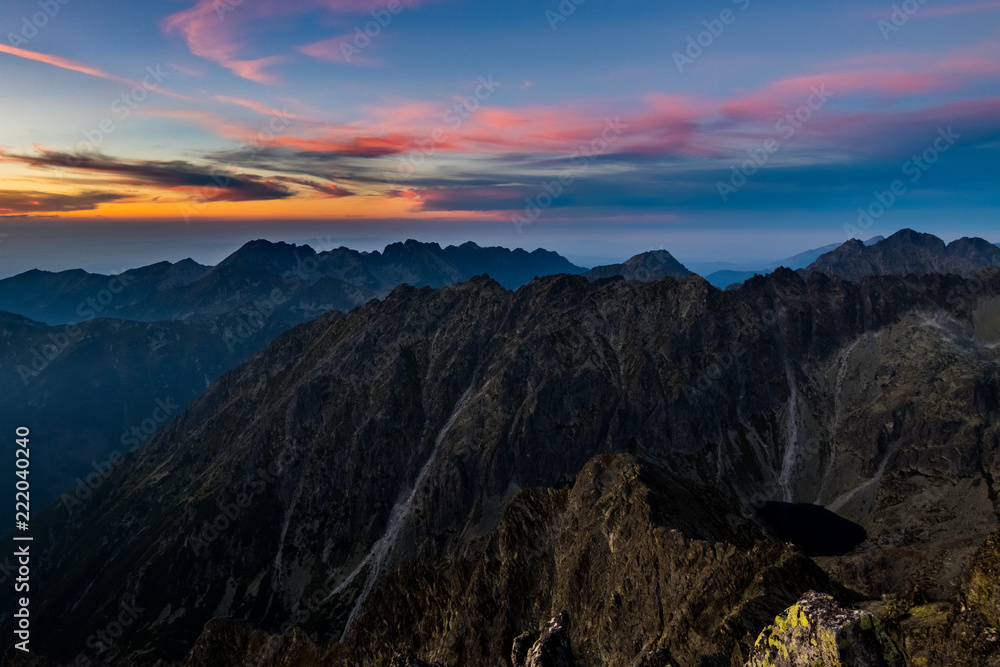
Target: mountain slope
[
  {"x": 233, "y": 309},
  {"x": 390, "y": 476},
  {"x": 82, "y": 390}
]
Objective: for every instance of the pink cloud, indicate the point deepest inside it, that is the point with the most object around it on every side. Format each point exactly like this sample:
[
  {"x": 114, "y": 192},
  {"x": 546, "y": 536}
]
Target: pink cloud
[
  {"x": 213, "y": 30},
  {"x": 253, "y": 70},
  {"x": 253, "y": 105},
  {"x": 207, "y": 31},
  {"x": 338, "y": 50},
  {"x": 74, "y": 66},
  {"x": 64, "y": 63}
]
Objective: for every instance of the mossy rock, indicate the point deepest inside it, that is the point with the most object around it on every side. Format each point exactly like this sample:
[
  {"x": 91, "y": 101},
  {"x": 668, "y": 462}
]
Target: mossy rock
[{"x": 817, "y": 632}]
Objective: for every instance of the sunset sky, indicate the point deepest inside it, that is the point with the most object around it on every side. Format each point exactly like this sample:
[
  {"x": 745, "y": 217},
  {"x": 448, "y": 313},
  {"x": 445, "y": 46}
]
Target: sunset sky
[{"x": 182, "y": 127}]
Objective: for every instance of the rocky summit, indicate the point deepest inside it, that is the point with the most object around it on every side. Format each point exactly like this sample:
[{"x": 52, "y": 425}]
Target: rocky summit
[{"x": 606, "y": 472}]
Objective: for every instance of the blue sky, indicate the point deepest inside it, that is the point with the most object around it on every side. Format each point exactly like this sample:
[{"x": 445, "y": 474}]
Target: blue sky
[{"x": 723, "y": 130}]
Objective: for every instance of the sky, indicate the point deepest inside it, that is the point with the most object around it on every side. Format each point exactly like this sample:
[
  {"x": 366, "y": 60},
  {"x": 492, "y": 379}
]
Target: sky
[{"x": 729, "y": 130}]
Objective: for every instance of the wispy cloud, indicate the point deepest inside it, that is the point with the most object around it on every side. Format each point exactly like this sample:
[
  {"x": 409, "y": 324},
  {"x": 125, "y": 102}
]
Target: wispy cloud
[
  {"x": 338, "y": 50},
  {"x": 209, "y": 36},
  {"x": 26, "y": 203},
  {"x": 175, "y": 175},
  {"x": 74, "y": 66},
  {"x": 65, "y": 63},
  {"x": 213, "y": 30}
]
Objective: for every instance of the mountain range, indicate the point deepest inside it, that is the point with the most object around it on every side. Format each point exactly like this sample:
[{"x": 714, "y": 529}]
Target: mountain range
[
  {"x": 445, "y": 473},
  {"x": 595, "y": 469},
  {"x": 87, "y": 357},
  {"x": 295, "y": 281}
]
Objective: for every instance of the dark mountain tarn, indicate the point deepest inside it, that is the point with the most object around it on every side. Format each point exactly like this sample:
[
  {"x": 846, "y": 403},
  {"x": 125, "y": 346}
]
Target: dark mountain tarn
[{"x": 815, "y": 529}]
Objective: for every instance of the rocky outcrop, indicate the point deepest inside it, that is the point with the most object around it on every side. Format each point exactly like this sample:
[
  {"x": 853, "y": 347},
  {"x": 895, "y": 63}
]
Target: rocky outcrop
[
  {"x": 550, "y": 649},
  {"x": 817, "y": 632}
]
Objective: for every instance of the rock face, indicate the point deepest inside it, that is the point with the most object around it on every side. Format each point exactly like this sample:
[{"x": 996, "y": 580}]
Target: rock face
[
  {"x": 645, "y": 267},
  {"x": 907, "y": 252},
  {"x": 436, "y": 473},
  {"x": 226, "y": 643},
  {"x": 400, "y": 660},
  {"x": 658, "y": 658},
  {"x": 984, "y": 584},
  {"x": 550, "y": 649},
  {"x": 817, "y": 632}
]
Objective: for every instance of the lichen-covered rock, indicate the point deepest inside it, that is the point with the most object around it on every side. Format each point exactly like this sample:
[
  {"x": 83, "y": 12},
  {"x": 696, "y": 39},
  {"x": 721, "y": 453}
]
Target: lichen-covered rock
[
  {"x": 817, "y": 632},
  {"x": 552, "y": 648},
  {"x": 984, "y": 582}
]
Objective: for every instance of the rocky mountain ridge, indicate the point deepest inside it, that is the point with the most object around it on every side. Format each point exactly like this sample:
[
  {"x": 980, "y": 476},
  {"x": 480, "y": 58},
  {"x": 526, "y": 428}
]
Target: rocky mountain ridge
[
  {"x": 296, "y": 281},
  {"x": 907, "y": 252},
  {"x": 440, "y": 472}
]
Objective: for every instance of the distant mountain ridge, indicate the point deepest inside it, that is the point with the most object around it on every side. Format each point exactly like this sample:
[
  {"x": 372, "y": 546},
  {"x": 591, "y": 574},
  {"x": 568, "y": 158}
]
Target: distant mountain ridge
[
  {"x": 308, "y": 283},
  {"x": 727, "y": 277},
  {"x": 904, "y": 253}
]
